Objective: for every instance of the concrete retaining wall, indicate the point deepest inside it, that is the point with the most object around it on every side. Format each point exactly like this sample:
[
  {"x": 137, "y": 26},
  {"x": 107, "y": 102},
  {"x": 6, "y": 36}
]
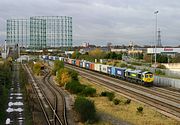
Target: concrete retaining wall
[{"x": 167, "y": 82}]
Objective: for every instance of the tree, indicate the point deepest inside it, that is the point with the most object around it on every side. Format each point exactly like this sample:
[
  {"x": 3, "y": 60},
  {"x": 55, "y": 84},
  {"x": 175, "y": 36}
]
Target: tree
[
  {"x": 147, "y": 58},
  {"x": 37, "y": 68},
  {"x": 97, "y": 53},
  {"x": 63, "y": 76},
  {"x": 176, "y": 59},
  {"x": 75, "y": 55},
  {"x": 57, "y": 65},
  {"x": 85, "y": 108}
]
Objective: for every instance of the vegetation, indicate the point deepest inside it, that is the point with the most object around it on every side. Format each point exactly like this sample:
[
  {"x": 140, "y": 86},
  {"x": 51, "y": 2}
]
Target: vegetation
[
  {"x": 113, "y": 55},
  {"x": 116, "y": 101},
  {"x": 176, "y": 59},
  {"x": 5, "y": 81},
  {"x": 37, "y": 68},
  {"x": 86, "y": 109},
  {"x": 74, "y": 87},
  {"x": 126, "y": 112},
  {"x": 128, "y": 101},
  {"x": 159, "y": 72},
  {"x": 88, "y": 91},
  {"x": 110, "y": 95},
  {"x": 63, "y": 76},
  {"x": 75, "y": 55},
  {"x": 140, "y": 109},
  {"x": 57, "y": 65}
]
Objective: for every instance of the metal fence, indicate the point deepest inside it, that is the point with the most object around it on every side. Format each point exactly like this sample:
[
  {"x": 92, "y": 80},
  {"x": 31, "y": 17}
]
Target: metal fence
[{"x": 167, "y": 82}]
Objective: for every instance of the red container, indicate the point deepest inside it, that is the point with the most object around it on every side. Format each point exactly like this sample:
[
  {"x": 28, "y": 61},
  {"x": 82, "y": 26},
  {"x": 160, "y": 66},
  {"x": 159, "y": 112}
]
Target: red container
[
  {"x": 92, "y": 66},
  {"x": 77, "y": 62}
]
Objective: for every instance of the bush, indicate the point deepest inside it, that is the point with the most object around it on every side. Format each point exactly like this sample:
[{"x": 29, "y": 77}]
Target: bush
[
  {"x": 159, "y": 72},
  {"x": 88, "y": 91},
  {"x": 110, "y": 95},
  {"x": 123, "y": 65},
  {"x": 116, "y": 101},
  {"x": 75, "y": 87},
  {"x": 57, "y": 66},
  {"x": 104, "y": 93},
  {"x": 140, "y": 109},
  {"x": 85, "y": 108},
  {"x": 74, "y": 74},
  {"x": 128, "y": 101}
]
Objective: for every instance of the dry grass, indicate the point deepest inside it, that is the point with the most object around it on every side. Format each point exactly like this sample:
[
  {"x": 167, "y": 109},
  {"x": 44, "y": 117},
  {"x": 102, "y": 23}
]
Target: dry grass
[{"x": 127, "y": 112}]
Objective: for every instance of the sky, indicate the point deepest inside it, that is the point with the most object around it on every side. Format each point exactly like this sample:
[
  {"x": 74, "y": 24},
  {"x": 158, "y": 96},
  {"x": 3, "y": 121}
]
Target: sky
[{"x": 102, "y": 21}]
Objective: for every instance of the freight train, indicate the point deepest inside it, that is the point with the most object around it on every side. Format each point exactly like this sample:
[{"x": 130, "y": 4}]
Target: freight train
[{"x": 145, "y": 78}]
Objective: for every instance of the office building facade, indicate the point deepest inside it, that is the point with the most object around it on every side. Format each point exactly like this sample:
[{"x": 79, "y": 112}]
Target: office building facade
[{"x": 41, "y": 32}]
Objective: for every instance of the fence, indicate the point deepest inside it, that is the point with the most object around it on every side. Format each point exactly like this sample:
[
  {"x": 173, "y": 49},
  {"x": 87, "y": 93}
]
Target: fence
[{"x": 167, "y": 82}]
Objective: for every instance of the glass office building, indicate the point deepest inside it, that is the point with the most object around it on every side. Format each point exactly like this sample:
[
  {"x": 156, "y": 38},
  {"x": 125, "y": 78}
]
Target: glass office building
[{"x": 42, "y": 32}]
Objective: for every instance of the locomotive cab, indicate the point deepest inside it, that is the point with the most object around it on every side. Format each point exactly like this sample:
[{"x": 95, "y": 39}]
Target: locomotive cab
[{"x": 148, "y": 78}]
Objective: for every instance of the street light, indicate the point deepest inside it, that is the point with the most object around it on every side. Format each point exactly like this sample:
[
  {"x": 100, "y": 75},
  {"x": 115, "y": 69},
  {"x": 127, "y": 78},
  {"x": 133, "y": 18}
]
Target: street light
[{"x": 156, "y": 12}]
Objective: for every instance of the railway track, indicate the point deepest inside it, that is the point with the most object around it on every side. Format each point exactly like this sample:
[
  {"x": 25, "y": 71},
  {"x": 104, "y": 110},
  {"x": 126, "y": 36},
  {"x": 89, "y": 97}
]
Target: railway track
[
  {"x": 49, "y": 106},
  {"x": 168, "y": 104},
  {"x": 60, "y": 100}
]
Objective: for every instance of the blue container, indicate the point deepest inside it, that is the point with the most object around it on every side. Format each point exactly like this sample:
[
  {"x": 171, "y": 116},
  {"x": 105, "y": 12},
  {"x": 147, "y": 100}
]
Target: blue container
[
  {"x": 113, "y": 72},
  {"x": 87, "y": 65},
  {"x": 109, "y": 70},
  {"x": 74, "y": 62},
  {"x": 120, "y": 72},
  {"x": 81, "y": 64}
]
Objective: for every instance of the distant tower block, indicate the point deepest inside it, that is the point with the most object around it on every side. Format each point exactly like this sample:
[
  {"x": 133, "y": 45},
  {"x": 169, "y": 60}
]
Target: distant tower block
[{"x": 159, "y": 39}]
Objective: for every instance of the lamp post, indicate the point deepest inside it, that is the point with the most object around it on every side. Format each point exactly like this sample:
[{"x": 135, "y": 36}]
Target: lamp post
[{"x": 156, "y": 12}]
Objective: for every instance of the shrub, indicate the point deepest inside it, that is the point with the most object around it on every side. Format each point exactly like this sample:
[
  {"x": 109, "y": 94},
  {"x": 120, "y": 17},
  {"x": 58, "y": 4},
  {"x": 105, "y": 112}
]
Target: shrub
[
  {"x": 74, "y": 74},
  {"x": 159, "y": 72},
  {"x": 123, "y": 65},
  {"x": 128, "y": 101},
  {"x": 116, "y": 101},
  {"x": 110, "y": 95},
  {"x": 140, "y": 109},
  {"x": 75, "y": 87},
  {"x": 104, "y": 93},
  {"x": 63, "y": 77},
  {"x": 57, "y": 65},
  {"x": 85, "y": 108},
  {"x": 88, "y": 91}
]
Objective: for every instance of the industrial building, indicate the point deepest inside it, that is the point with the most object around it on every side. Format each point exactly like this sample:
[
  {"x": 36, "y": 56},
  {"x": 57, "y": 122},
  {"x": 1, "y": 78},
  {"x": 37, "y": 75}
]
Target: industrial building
[
  {"x": 167, "y": 51},
  {"x": 40, "y": 32}
]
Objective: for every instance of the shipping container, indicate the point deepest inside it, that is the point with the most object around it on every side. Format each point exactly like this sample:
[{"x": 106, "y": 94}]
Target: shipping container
[
  {"x": 109, "y": 69},
  {"x": 120, "y": 72},
  {"x": 87, "y": 65},
  {"x": 104, "y": 68},
  {"x": 113, "y": 71},
  {"x": 92, "y": 66},
  {"x": 73, "y": 61},
  {"x": 61, "y": 58},
  {"x": 97, "y": 67},
  {"x": 81, "y": 64},
  {"x": 45, "y": 57},
  {"x": 77, "y": 62}
]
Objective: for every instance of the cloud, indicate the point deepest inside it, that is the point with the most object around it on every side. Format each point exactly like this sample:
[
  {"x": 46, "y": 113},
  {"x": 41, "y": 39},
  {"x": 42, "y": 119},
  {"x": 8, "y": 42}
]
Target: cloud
[{"x": 117, "y": 21}]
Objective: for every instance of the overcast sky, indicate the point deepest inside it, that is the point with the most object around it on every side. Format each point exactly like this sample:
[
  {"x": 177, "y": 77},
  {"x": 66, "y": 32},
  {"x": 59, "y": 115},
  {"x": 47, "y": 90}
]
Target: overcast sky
[{"x": 102, "y": 21}]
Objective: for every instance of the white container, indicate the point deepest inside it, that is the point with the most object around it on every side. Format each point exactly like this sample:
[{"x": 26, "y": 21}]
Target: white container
[
  {"x": 104, "y": 68},
  {"x": 97, "y": 67}
]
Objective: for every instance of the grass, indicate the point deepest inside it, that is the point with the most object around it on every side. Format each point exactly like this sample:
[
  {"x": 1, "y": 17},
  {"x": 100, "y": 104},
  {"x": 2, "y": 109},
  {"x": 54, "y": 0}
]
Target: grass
[{"x": 127, "y": 112}]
